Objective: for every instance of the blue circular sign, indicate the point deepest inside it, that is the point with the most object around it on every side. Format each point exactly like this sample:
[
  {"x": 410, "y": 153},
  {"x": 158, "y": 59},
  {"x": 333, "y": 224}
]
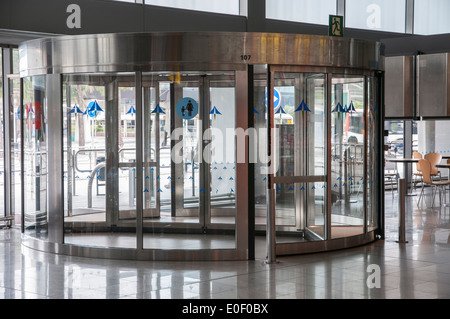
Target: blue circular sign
[
  {"x": 276, "y": 98},
  {"x": 187, "y": 108}
]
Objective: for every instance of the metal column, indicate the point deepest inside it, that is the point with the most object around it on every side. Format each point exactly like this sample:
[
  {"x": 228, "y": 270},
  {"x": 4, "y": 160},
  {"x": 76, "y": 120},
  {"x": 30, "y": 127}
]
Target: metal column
[
  {"x": 270, "y": 195},
  {"x": 112, "y": 153},
  {"x": 55, "y": 159}
]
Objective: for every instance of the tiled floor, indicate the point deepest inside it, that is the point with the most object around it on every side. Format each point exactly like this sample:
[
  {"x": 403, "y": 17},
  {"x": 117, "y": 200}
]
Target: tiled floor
[{"x": 418, "y": 269}]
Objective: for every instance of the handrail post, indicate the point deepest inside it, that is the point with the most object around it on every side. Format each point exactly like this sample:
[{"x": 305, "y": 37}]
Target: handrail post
[{"x": 401, "y": 211}]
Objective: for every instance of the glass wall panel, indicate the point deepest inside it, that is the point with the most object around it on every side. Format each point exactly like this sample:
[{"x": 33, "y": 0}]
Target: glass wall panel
[
  {"x": 99, "y": 160},
  {"x": 373, "y": 145},
  {"x": 429, "y": 137},
  {"x": 2, "y": 148},
  {"x": 222, "y": 151},
  {"x": 127, "y": 152},
  {"x": 189, "y": 170},
  {"x": 217, "y": 6},
  {"x": 15, "y": 144},
  {"x": 35, "y": 156},
  {"x": 431, "y": 17},
  {"x": 260, "y": 149},
  {"x": 307, "y": 11},
  {"x": 347, "y": 156},
  {"x": 381, "y": 15}
]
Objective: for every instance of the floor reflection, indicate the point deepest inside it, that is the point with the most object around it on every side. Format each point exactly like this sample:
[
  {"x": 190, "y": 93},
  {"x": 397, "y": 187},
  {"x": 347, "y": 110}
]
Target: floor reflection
[{"x": 419, "y": 269}]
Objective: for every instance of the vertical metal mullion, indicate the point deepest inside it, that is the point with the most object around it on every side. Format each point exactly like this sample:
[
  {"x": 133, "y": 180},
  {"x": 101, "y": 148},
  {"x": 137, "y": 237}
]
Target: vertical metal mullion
[
  {"x": 340, "y": 8},
  {"x": 69, "y": 158},
  {"x": 174, "y": 182},
  {"x": 157, "y": 152},
  {"x": 244, "y": 213},
  {"x": 328, "y": 107},
  {"x": 204, "y": 197},
  {"x": 112, "y": 153},
  {"x": 251, "y": 162},
  {"x": 270, "y": 197},
  {"x": 22, "y": 164},
  {"x": 139, "y": 162},
  {"x": 379, "y": 169},
  {"x": 409, "y": 17},
  {"x": 7, "y": 131},
  {"x": 299, "y": 157},
  {"x": 366, "y": 138}
]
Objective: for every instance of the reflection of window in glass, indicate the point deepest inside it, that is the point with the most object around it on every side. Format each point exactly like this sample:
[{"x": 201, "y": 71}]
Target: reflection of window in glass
[
  {"x": 308, "y": 11},
  {"x": 382, "y": 15},
  {"x": 431, "y": 16},
  {"x": 217, "y": 6}
]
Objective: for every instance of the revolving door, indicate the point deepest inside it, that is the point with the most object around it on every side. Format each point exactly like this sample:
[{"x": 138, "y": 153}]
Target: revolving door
[
  {"x": 188, "y": 172},
  {"x": 189, "y": 152}
]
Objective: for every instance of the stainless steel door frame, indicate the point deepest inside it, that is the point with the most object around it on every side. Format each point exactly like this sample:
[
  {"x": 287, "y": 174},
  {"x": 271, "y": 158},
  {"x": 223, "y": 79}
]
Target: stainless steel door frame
[{"x": 301, "y": 174}]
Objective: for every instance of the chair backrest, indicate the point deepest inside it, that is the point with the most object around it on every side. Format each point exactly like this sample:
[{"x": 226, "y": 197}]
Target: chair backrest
[
  {"x": 433, "y": 158},
  {"x": 390, "y": 166},
  {"x": 426, "y": 171},
  {"x": 417, "y": 155}
]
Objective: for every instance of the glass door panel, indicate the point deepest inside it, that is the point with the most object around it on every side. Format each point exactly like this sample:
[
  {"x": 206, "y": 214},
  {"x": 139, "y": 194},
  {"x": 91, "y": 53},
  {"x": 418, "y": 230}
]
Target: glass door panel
[
  {"x": 222, "y": 147},
  {"x": 2, "y": 147},
  {"x": 35, "y": 157},
  {"x": 187, "y": 149},
  {"x": 348, "y": 142},
  {"x": 373, "y": 147},
  {"x": 300, "y": 149},
  {"x": 99, "y": 158},
  {"x": 260, "y": 149},
  {"x": 192, "y": 155},
  {"x": 127, "y": 153}
]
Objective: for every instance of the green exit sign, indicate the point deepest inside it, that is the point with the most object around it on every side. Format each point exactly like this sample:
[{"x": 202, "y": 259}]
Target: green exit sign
[{"x": 336, "y": 26}]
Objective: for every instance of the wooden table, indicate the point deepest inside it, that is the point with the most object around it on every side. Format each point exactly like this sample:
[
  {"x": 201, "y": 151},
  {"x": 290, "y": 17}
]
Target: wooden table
[
  {"x": 405, "y": 162},
  {"x": 447, "y": 166}
]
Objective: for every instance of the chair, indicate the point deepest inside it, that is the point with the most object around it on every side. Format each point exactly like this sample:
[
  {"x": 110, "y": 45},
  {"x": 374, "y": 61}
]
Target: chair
[
  {"x": 434, "y": 158},
  {"x": 418, "y": 172},
  {"x": 390, "y": 172},
  {"x": 426, "y": 167}
]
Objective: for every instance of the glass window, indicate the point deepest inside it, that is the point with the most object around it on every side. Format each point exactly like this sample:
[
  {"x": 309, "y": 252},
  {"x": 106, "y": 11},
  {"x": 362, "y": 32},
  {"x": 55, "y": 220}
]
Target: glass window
[
  {"x": 299, "y": 120},
  {"x": 431, "y": 16},
  {"x": 2, "y": 212},
  {"x": 217, "y": 6},
  {"x": 382, "y": 15},
  {"x": 99, "y": 158},
  {"x": 347, "y": 156},
  {"x": 309, "y": 11}
]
